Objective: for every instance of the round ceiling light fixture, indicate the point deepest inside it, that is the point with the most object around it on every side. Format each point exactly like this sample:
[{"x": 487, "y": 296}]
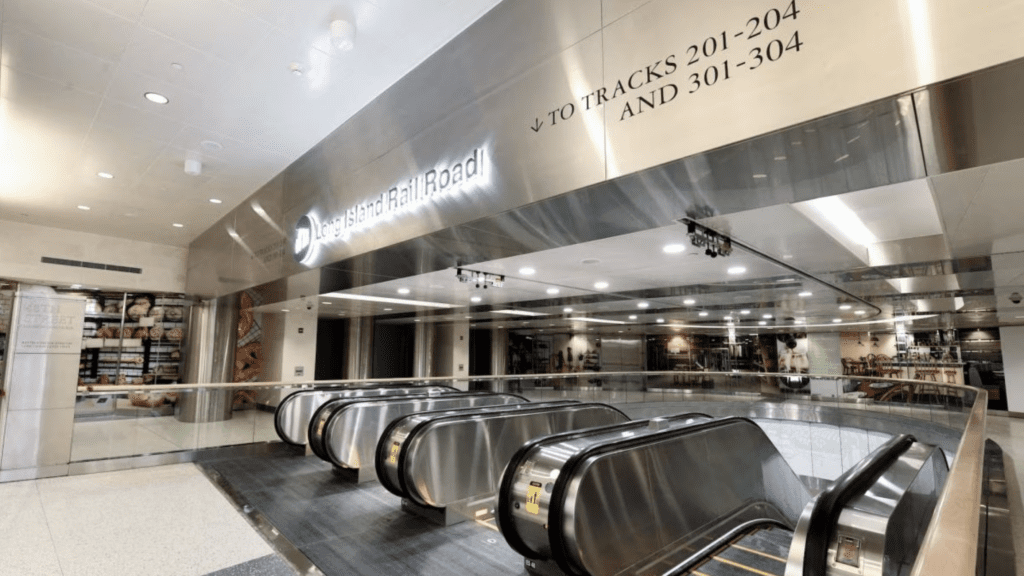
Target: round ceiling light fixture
[
  {"x": 343, "y": 34},
  {"x": 106, "y": 175},
  {"x": 82, "y": 207},
  {"x": 156, "y": 98},
  {"x": 176, "y": 225},
  {"x": 216, "y": 201}
]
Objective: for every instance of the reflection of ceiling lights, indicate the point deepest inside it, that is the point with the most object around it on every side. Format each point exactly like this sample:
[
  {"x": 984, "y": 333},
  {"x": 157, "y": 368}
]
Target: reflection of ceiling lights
[
  {"x": 597, "y": 320},
  {"x": 842, "y": 219},
  {"x": 362, "y": 298},
  {"x": 519, "y": 313}
]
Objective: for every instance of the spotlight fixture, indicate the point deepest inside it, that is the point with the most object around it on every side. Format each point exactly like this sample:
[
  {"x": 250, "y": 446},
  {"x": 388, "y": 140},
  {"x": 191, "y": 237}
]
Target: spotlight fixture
[
  {"x": 479, "y": 279},
  {"x": 714, "y": 244}
]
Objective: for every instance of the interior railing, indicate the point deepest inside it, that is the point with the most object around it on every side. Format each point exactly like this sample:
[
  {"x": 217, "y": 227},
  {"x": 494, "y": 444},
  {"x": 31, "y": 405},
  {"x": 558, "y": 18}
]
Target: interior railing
[{"x": 118, "y": 422}]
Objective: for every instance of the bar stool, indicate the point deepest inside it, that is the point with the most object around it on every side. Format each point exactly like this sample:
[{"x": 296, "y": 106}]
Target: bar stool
[
  {"x": 921, "y": 373},
  {"x": 950, "y": 374}
]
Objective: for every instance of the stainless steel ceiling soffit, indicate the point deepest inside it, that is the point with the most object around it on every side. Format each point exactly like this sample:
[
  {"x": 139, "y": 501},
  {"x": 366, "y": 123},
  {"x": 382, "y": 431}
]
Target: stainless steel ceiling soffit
[{"x": 868, "y": 147}]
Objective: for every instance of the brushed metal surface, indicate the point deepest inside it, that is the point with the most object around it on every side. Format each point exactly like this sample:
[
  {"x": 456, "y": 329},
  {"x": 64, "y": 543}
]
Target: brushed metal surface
[
  {"x": 291, "y": 419},
  {"x": 354, "y": 430},
  {"x": 544, "y": 463},
  {"x": 48, "y": 323},
  {"x": 43, "y": 381},
  {"x": 37, "y": 438},
  {"x": 391, "y": 475},
  {"x": 452, "y": 459},
  {"x": 736, "y": 463}
]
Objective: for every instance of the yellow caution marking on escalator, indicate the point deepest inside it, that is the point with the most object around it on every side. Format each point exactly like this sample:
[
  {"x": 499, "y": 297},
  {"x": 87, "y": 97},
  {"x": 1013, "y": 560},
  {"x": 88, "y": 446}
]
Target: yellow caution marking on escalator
[
  {"x": 759, "y": 553},
  {"x": 533, "y": 497},
  {"x": 395, "y": 449},
  {"x": 743, "y": 567}
]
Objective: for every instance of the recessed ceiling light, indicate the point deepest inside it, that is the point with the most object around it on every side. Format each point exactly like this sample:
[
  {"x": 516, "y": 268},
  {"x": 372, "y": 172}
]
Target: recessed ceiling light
[
  {"x": 388, "y": 309},
  {"x": 285, "y": 310},
  {"x": 703, "y": 314},
  {"x": 674, "y": 249},
  {"x": 780, "y": 158},
  {"x": 216, "y": 201},
  {"x": 80, "y": 207},
  {"x": 553, "y": 291},
  {"x": 76, "y": 286},
  {"x": 762, "y": 323},
  {"x": 744, "y": 312},
  {"x": 211, "y": 145},
  {"x": 404, "y": 290},
  {"x": 341, "y": 313},
  {"x": 729, "y": 318},
  {"x": 566, "y": 310},
  {"x": 106, "y": 175},
  {"x": 759, "y": 176},
  {"x": 767, "y": 316},
  {"x": 156, "y": 98},
  {"x": 177, "y": 66},
  {"x": 837, "y": 320},
  {"x": 845, "y": 307},
  {"x": 860, "y": 312},
  {"x": 416, "y": 320},
  {"x": 643, "y": 305},
  {"x": 176, "y": 225},
  {"x": 527, "y": 271},
  {"x": 600, "y": 285},
  {"x": 632, "y": 317},
  {"x": 326, "y": 303},
  {"x": 661, "y": 320},
  {"x": 475, "y": 299},
  {"x": 805, "y": 294},
  {"x": 798, "y": 322},
  {"x": 736, "y": 270},
  {"x": 689, "y": 301},
  {"x": 519, "y": 312}
]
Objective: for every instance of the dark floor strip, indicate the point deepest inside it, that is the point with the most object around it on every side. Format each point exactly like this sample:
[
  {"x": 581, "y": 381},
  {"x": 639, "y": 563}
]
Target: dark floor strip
[{"x": 265, "y": 566}]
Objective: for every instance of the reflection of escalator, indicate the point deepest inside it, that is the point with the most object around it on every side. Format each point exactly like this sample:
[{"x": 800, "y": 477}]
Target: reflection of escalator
[{"x": 762, "y": 550}]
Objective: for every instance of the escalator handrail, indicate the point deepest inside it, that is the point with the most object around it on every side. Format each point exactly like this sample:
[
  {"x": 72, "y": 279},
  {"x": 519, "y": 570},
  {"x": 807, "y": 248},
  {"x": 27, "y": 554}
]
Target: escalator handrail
[
  {"x": 556, "y": 509},
  {"x": 382, "y": 451},
  {"x": 719, "y": 542},
  {"x": 289, "y": 398},
  {"x": 830, "y": 503},
  {"x": 403, "y": 486},
  {"x": 343, "y": 407},
  {"x": 504, "y": 513}
]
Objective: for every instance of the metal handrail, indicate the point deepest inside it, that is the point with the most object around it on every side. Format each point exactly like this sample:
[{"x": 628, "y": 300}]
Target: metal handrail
[
  {"x": 950, "y": 545},
  {"x": 310, "y": 384}
]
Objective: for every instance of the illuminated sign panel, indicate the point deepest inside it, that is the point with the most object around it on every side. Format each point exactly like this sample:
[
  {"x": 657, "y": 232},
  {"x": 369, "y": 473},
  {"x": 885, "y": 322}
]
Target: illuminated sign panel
[{"x": 430, "y": 186}]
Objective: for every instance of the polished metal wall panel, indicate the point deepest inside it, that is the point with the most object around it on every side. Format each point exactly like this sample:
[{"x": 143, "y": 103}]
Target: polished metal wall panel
[
  {"x": 352, "y": 435},
  {"x": 43, "y": 381},
  {"x": 292, "y": 416},
  {"x": 37, "y": 438},
  {"x": 452, "y": 460}
]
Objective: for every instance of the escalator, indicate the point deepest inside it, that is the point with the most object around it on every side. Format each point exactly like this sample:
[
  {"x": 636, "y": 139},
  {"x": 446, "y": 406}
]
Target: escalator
[
  {"x": 714, "y": 498},
  {"x": 291, "y": 418}
]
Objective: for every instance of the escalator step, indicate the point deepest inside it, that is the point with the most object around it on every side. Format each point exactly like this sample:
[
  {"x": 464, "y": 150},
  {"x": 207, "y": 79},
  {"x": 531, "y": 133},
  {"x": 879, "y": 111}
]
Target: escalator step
[
  {"x": 773, "y": 542},
  {"x": 752, "y": 560}
]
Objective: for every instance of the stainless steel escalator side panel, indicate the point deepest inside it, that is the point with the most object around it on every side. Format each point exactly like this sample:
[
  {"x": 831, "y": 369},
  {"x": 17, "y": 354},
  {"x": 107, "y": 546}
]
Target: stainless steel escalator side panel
[
  {"x": 630, "y": 506},
  {"x": 322, "y": 415},
  {"x": 451, "y": 460},
  {"x": 542, "y": 465},
  {"x": 882, "y": 529},
  {"x": 291, "y": 419},
  {"x": 392, "y": 442},
  {"x": 353, "y": 430}
]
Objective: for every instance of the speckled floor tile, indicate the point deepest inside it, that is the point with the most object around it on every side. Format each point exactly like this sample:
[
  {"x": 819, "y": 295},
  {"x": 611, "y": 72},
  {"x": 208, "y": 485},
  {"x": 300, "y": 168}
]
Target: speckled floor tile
[{"x": 26, "y": 547}]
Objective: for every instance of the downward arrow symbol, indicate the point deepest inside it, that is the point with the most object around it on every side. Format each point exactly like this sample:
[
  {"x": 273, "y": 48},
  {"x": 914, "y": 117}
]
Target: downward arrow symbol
[{"x": 537, "y": 125}]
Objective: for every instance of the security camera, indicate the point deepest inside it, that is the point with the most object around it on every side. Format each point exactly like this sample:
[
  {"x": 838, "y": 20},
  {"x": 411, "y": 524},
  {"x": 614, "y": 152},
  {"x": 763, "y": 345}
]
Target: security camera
[{"x": 1016, "y": 297}]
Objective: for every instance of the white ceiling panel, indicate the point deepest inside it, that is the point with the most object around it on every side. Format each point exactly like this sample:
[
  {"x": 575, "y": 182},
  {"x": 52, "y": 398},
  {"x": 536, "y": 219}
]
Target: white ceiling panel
[
  {"x": 47, "y": 103},
  {"x": 954, "y": 193},
  {"x": 137, "y": 121},
  {"x": 152, "y": 54},
  {"x": 995, "y": 213},
  {"x": 129, "y": 87},
  {"x": 54, "y": 61},
  {"x": 897, "y": 212},
  {"x": 216, "y": 27},
  {"x": 79, "y": 24},
  {"x": 130, "y": 9}
]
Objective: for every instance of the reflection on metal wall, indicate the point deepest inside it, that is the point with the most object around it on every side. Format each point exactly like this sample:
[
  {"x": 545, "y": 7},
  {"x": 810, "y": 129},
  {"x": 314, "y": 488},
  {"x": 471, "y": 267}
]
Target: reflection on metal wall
[{"x": 562, "y": 95}]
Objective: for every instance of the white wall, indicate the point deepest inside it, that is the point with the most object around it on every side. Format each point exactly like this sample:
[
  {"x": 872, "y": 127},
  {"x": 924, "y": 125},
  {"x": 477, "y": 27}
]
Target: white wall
[
  {"x": 1012, "y": 339},
  {"x": 23, "y": 245}
]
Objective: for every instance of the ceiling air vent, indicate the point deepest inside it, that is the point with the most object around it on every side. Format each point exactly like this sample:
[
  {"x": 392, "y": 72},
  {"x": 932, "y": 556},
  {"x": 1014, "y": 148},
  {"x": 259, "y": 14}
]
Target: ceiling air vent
[{"x": 92, "y": 265}]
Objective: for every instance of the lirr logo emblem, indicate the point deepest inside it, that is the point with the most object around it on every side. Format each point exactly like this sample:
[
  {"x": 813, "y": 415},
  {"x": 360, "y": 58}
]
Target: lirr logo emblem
[{"x": 304, "y": 231}]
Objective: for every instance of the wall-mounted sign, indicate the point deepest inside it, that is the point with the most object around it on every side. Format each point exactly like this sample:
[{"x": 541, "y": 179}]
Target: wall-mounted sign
[
  {"x": 430, "y": 186},
  {"x": 50, "y": 326}
]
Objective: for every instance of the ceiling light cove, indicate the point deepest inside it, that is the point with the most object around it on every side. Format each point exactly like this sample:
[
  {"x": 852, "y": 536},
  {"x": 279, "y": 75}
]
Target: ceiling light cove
[
  {"x": 519, "y": 313},
  {"x": 156, "y": 98},
  {"x": 597, "y": 320},
  {"x": 361, "y": 298}
]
